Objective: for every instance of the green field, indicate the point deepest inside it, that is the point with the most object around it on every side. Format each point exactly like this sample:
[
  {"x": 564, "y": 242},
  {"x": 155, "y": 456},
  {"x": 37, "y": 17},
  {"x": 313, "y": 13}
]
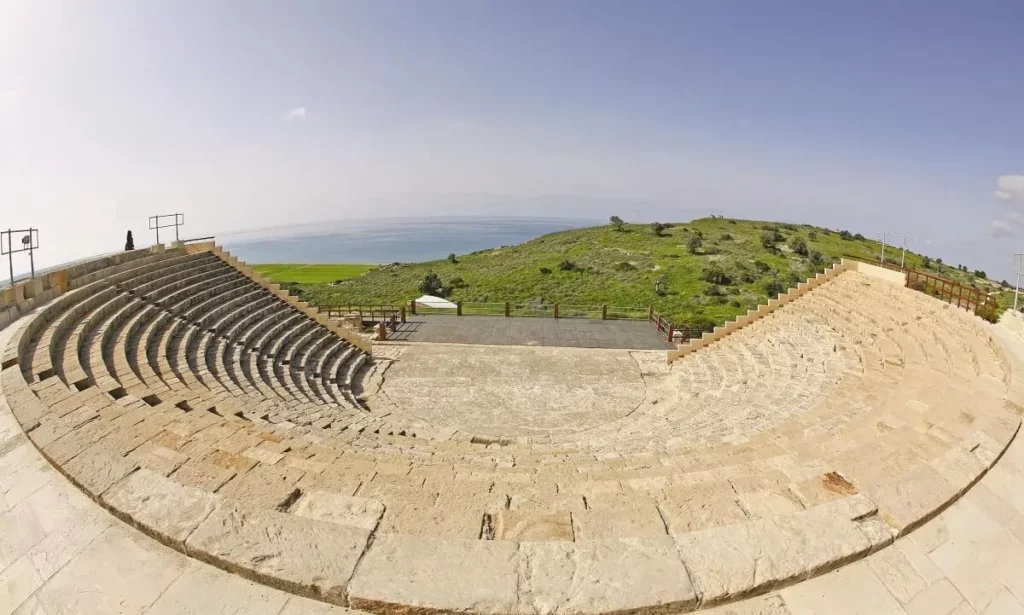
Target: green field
[
  {"x": 713, "y": 269},
  {"x": 311, "y": 274}
]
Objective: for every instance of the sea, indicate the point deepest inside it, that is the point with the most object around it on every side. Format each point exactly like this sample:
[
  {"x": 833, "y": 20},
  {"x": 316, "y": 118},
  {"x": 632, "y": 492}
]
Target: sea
[{"x": 391, "y": 240}]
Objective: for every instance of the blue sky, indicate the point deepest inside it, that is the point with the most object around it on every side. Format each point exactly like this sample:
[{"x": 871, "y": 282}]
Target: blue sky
[{"x": 897, "y": 116}]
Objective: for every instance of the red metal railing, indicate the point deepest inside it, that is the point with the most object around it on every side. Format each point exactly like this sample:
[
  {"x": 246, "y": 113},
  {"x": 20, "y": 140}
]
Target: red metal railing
[{"x": 951, "y": 292}]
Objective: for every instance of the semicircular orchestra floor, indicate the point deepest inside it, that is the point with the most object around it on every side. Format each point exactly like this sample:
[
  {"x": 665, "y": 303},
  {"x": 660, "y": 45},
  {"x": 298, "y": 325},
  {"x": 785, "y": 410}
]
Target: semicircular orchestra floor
[{"x": 193, "y": 403}]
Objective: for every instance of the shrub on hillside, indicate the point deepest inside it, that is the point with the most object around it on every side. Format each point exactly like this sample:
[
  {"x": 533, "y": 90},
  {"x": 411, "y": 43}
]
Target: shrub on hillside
[
  {"x": 456, "y": 282},
  {"x": 735, "y": 303},
  {"x": 799, "y": 246},
  {"x": 624, "y": 266},
  {"x": 858, "y": 237},
  {"x": 568, "y": 265},
  {"x": 617, "y": 222},
  {"x": 545, "y": 270},
  {"x": 812, "y": 235},
  {"x": 772, "y": 287},
  {"x": 768, "y": 239},
  {"x": 713, "y": 291},
  {"x": 978, "y": 273},
  {"x": 658, "y": 229},
  {"x": 431, "y": 285},
  {"x": 762, "y": 267},
  {"x": 693, "y": 244},
  {"x": 726, "y": 237},
  {"x": 845, "y": 235},
  {"x": 926, "y": 262},
  {"x": 715, "y": 275},
  {"x": 451, "y": 258},
  {"x": 817, "y": 258}
]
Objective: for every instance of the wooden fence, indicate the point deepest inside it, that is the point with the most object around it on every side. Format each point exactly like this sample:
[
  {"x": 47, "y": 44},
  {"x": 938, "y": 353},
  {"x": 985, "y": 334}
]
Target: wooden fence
[{"x": 951, "y": 292}]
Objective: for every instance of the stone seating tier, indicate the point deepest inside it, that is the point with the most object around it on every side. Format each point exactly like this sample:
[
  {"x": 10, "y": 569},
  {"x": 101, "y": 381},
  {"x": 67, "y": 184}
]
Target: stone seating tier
[{"x": 204, "y": 410}]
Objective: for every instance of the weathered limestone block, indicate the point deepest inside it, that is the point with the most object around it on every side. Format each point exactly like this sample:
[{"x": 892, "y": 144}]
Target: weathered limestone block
[
  {"x": 95, "y": 469},
  {"x": 264, "y": 487},
  {"x": 159, "y": 506},
  {"x": 525, "y": 525},
  {"x": 604, "y": 576},
  {"x": 339, "y": 508},
  {"x": 158, "y": 459},
  {"x": 73, "y": 443},
  {"x": 402, "y": 574},
  {"x": 305, "y": 556},
  {"x": 907, "y": 500},
  {"x": 200, "y": 475},
  {"x": 738, "y": 560}
]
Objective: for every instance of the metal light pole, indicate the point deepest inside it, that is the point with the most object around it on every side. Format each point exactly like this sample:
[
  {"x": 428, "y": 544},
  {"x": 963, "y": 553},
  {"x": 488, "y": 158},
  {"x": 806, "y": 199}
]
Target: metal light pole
[
  {"x": 1018, "y": 268},
  {"x": 903, "y": 258}
]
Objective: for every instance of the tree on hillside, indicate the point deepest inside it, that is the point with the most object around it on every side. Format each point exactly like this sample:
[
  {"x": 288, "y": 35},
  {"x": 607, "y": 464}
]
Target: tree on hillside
[
  {"x": 431, "y": 285},
  {"x": 859, "y": 237},
  {"x": 658, "y": 228},
  {"x": 926, "y": 262},
  {"x": 694, "y": 244},
  {"x": 451, "y": 258},
  {"x": 617, "y": 223},
  {"x": 978, "y": 273},
  {"x": 845, "y": 235}
]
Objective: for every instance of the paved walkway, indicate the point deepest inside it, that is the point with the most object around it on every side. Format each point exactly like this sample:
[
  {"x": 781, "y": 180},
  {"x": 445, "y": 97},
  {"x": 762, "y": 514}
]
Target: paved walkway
[{"x": 522, "y": 331}]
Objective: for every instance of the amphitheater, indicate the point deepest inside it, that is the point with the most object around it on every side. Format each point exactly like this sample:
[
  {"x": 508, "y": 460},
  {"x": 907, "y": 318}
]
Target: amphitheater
[{"x": 233, "y": 432}]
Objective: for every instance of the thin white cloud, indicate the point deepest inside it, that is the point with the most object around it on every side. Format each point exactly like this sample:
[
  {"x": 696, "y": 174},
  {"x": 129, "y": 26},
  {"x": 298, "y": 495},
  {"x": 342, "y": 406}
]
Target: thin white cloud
[
  {"x": 1014, "y": 217},
  {"x": 1011, "y": 188},
  {"x": 296, "y": 114},
  {"x": 1001, "y": 229}
]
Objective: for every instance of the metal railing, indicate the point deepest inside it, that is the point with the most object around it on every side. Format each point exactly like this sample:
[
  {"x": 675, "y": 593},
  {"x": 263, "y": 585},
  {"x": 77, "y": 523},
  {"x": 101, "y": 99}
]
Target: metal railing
[{"x": 970, "y": 299}]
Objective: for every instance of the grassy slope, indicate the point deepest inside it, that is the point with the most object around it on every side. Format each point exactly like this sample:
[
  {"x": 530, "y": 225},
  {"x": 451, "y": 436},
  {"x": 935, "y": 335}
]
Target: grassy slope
[
  {"x": 621, "y": 268},
  {"x": 312, "y": 274}
]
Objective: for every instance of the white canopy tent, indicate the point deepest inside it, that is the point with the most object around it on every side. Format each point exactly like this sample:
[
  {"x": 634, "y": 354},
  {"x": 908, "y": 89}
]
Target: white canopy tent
[{"x": 430, "y": 301}]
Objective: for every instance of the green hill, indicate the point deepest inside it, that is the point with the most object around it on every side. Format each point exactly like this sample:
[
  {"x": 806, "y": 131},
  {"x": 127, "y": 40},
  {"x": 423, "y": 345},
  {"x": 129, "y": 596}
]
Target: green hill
[{"x": 713, "y": 269}]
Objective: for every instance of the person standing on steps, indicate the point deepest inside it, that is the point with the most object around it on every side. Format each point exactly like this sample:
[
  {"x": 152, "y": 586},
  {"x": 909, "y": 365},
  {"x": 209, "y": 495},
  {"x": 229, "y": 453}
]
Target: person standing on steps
[{"x": 129, "y": 243}]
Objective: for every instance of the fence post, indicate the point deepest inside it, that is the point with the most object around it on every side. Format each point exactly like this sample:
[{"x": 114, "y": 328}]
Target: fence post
[
  {"x": 604, "y": 312},
  {"x": 650, "y": 313},
  {"x": 458, "y": 308},
  {"x": 659, "y": 322},
  {"x": 412, "y": 306},
  {"x": 394, "y": 322},
  {"x": 670, "y": 334},
  {"x": 507, "y": 310},
  {"x": 382, "y": 332},
  {"x": 403, "y": 314},
  {"x": 556, "y": 310}
]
